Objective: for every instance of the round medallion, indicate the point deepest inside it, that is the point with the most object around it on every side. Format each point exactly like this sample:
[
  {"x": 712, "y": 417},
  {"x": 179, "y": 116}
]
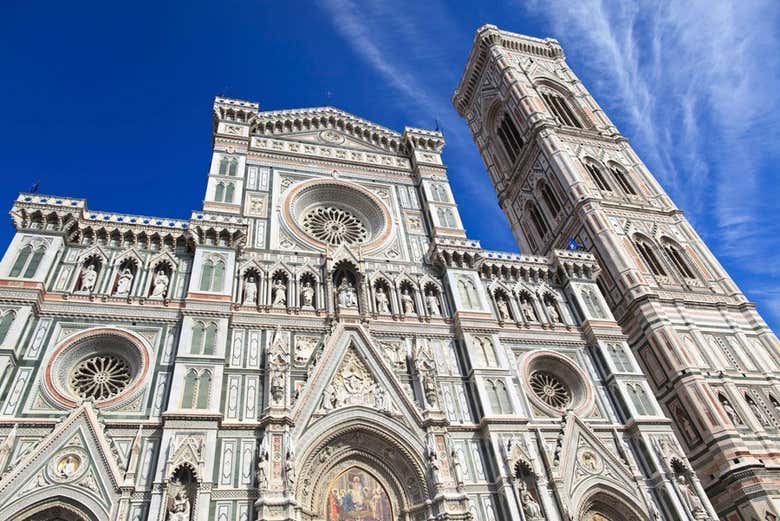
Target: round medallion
[
  {"x": 330, "y": 136},
  {"x": 555, "y": 384},
  {"x": 68, "y": 465},
  {"x": 589, "y": 461}
]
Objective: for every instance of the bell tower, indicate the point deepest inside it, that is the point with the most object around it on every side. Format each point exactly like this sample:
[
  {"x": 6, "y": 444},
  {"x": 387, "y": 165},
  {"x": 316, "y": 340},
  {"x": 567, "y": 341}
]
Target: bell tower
[{"x": 562, "y": 170}]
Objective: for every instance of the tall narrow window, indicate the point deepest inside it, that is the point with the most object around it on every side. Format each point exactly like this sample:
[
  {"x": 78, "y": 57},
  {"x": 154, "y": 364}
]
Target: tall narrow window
[
  {"x": 190, "y": 384},
  {"x": 204, "y": 389},
  {"x": 197, "y": 339},
  {"x": 206, "y": 273},
  {"x": 21, "y": 261},
  {"x": 539, "y": 223},
  {"x": 219, "y": 192},
  {"x": 598, "y": 177},
  {"x": 219, "y": 276},
  {"x": 229, "y": 191},
  {"x": 34, "y": 262},
  {"x": 233, "y": 166},
  {"x": 210, "y": 342},
  {"x": 620, "y": 358},
  {"x": 495, "y": 402},
  {"x": 550, "y": 200},
  {"x": 5, "y": 324},
  {"x": 224, "y": 165},
  {"x": 679, "y": 261},
  {"x": 503, "y": 396},
  {"x": 510, "y": 138},
  {"x": 623, "y": 181},
  {"x": 648, "y": 255},
  {"x": 560, "y": 109}
]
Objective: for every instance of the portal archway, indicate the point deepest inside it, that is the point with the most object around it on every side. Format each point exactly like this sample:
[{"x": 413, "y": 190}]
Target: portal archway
[
  {"x": 603, "y": 503},
  {"x": 56, "y": 509},
  {"x": 390, "y": 470}
]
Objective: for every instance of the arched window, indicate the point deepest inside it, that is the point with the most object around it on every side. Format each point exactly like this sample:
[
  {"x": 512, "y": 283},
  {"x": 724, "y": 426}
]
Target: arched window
[
  {"x": 224, "y": 165},
  {"x": 190, "y": 384},
  {"x": 558, "y": 106},
  {"x": 229, "y": 191},
  {"x": 212, "y": 275},
  {"x": 510, "y": 137},
  {"x": 219, "y": 192},
  {"x": 495, "y": 401},
  {"x": 449, "y": 217},
  {"x": 620, "y": 358},
  {"x": 32, "y": 267},
  {"x": 648, "y": 255},
  {"x": 5, "y": 324},
  {"x": 21, "y": 261},
  {"x": 210, "y": 340},
  {"x": 622, "y": 180},
  {"x": 197, "y": 338},
  {"x": 678, "y": 260},
  {"x": 233, "y": 167},
  {"x": 539, "y": 223},
  {"x": 204, "y": 389},
  {"x": 549, "y": 199},
  {"x": 503, "y": 397},
  {"x": 598, "y": 177}
]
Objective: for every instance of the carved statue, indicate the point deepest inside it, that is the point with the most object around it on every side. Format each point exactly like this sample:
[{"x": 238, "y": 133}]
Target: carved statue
[
  {"x": 503, "y": 309},
  {"x": 250, "y": 291},
  {"x": 124, "y": 283},
  {"x": 457, "y": 462},
  {"x": 531, "y": 507},
  {"x": 289, "y": 469},
  {"x": 88, "y": 279},
  {"x": 552, "y": 312},
  {"x": 160, "y": 288},
  {"x": 433, "y": 304},
  {"x": 280, "y": 293},
  {"x": 758, "y": 413},
  {"x": 382, "y": 303},
  {"x": 179, "y": 506},
  {"x": 329, "y": 399},
  {"x": 731, "y": 412},
  {"x": 347, "y": 295},
  {"x": 307, "y": 295},
  {"x": 528, "y": 310},
  {"x": 407, "y": 302},
  {"x": 688, "y": 494}
]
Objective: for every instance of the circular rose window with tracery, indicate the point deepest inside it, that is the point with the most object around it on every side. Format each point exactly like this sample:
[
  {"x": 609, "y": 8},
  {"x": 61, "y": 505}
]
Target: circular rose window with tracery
[
  {"x": 105, "y": 365},
  {"x": 331, "y": 212},
  {"x": 334, "y": 226},
  {"x": 101, "y": 377},
  {"x": 555, "y": 384},
  {"x": 550, "y": 389}
]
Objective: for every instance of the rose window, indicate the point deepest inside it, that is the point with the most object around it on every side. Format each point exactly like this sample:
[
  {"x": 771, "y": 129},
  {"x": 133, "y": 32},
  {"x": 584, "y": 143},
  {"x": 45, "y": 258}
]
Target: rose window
[
  {"x": 334, "y": 226},
  {"x": 550, "y": 389},
  {"x": 100, "y": 377}
]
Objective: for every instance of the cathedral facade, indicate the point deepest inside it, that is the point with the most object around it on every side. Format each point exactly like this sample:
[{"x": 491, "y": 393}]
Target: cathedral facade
[{"x": 323, "y": 341}]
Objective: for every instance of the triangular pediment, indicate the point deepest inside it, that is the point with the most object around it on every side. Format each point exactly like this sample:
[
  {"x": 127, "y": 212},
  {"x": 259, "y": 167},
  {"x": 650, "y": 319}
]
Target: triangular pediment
[
  {"x": 586, "y": 462},
  {"x": 74, "y": 460},
  {"x": 352, "y": 373}
]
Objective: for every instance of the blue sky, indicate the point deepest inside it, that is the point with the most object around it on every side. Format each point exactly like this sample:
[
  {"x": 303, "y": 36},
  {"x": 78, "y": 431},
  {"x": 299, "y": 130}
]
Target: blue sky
[{"x": 111, "y": 101}]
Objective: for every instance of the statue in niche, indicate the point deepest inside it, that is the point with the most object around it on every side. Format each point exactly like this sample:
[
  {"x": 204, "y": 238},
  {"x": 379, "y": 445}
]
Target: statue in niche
[
  {"x": 329, "y": 398},
  {"x": 250, "y": 291},
  {"x": 88, "y": 279},
  {"x": 307, "y": 295},
  {"x": 382, "y": 302},
  {"x": 531, "y": 507},
  {"x": 289, "y": 467},
  {"x": 407, "y": 302},
  {"x": 528, "y": 309},
  {"x": 347, "y": 295},
  {"x": 280, "y": 293},
  {"x": 731, "y": 412},
  {"x": 686, "y": 426},
  {"x": 124, "y": 283},
  {"x": 503, "y": 308},
  {"x": 179, "y": 506},
  {"x": 688, "y": 494},
  {"x": 278, "y": 362},
  {"x": 457, "y": 462},
  {"x": 160, "y": 288},
  {"x": 433, "y": 303},
  {"x": 552, "y": 312}
]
